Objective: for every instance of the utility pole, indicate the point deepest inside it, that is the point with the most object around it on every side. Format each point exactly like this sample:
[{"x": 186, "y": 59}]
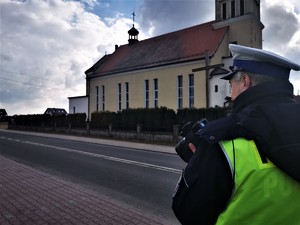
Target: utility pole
[{"x": 206, "y": 78}]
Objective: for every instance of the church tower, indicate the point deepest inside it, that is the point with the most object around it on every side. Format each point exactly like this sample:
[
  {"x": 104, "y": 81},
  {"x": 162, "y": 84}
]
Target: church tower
[
  {"x": 243, "y": 19},
  {"x": 133, "y": 32}
]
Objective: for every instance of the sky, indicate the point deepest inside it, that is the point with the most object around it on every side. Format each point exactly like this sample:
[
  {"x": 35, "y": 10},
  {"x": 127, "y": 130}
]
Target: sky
[{"x": 47, "y": 45}]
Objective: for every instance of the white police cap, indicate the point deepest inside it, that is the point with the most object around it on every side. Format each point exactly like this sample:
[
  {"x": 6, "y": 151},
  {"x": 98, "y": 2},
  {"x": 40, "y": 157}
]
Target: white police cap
[{"x": 259, "y": 62}]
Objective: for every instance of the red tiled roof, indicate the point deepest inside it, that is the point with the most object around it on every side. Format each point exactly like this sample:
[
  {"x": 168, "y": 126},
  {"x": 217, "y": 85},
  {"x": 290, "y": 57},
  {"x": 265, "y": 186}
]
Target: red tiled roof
[{"x": 179, "y": 46}]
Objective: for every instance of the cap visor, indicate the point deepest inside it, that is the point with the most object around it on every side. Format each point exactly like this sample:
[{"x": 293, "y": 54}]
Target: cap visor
[{"x": 229, "y": 76}]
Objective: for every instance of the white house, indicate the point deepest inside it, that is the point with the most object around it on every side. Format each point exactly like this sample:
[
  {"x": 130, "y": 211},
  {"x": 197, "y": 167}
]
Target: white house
[{"x": 78, "y": 104}]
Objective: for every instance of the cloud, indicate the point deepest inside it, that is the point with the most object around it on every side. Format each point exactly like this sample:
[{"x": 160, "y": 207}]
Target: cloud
[
  {"x": 282, "y": 25},
  {"x": 282, "y": 32},
  {"x": 45, "y": 48}
]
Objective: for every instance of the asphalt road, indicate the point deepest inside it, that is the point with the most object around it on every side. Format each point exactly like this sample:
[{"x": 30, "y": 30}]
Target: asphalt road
[{"x": 140, "y": 177}]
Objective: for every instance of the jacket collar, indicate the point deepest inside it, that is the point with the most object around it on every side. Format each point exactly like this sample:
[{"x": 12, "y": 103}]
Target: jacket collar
[{"x": 270, "y": 92}]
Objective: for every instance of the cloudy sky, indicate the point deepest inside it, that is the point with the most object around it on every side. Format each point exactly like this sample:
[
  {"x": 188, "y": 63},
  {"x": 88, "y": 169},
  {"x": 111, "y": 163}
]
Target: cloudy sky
[{"x": 46, "y": 45}]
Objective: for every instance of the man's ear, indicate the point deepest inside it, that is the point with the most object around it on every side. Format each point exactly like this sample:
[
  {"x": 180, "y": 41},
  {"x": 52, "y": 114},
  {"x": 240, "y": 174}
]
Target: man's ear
[{"x": 246, "y": 81}]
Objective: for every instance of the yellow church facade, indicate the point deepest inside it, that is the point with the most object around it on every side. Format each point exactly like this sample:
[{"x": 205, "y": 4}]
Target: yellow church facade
[{"x": 148, "y": 89}]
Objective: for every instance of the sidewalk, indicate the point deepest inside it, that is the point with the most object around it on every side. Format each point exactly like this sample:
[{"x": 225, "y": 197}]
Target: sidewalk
[{"x": 31, "y": 197}]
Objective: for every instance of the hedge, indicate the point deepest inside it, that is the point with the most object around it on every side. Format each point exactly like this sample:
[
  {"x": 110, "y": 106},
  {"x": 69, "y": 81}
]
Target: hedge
[
  {"x": 33, "y": 120},
  {"x": 77, "y": 120},
  {"x": 104, "y": 119},
  {"x": 153, "y": 119},
  {"x": 47, "y": 120}
]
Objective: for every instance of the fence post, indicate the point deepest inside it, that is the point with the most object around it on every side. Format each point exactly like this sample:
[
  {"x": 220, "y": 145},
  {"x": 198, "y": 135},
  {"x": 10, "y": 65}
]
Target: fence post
[
  {"x": 175, "y": 133},
  {"x": 110, "y": 129},
  {"x": 70, "y": 127},
  {"x": 88, "y": 130},
  {"x": 138, "y": 130}
]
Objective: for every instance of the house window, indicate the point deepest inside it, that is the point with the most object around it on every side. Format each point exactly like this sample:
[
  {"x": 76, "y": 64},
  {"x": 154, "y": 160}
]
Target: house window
[
  {"x": 232, "y": 9},
  {"x": 191, "y": 90},
  {"x": 127, "y": 94},
  {"x": 119, "y": 97},
  {"x": 97, "y": 98},
  {"x": 147, "y": 94},
  {"x": 155, "y": 93},
  {"x": 103, "y": 98},
  {"x": 74, "y": 109},
  {"x": 224, "y": 11},
  {"x": 216, "y": 88},
  {"x": 242, "y": 7},
  {"x": 179, "y": 92}
]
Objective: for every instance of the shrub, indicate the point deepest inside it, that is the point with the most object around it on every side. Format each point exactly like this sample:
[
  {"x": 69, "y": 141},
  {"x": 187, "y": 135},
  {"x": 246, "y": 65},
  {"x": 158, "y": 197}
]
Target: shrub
[
  {"x": 77, "y": 120},
  {"x": 104, "y": 119}
]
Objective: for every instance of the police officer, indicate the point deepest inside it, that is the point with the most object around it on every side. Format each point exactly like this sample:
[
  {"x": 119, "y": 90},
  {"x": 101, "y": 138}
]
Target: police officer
[{"x": 246, "y": 167}]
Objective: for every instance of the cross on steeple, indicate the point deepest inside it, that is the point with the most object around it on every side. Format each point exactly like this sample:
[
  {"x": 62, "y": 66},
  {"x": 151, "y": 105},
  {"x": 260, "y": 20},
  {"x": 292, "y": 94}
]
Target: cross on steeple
[{"x": 133, "y": 15}]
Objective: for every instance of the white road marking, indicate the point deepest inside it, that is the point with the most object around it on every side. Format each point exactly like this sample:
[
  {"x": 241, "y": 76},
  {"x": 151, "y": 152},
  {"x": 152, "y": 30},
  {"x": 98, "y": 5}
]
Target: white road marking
[{"x": 115, "y": 159}]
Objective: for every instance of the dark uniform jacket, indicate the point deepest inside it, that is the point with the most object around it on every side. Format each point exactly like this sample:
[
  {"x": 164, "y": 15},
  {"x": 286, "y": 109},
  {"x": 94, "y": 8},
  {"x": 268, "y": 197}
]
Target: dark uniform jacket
[{"x": 266, "y": 113}]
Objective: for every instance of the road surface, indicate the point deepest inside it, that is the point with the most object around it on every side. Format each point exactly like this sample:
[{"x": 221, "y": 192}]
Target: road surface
[{"x": 140, "y": 177}]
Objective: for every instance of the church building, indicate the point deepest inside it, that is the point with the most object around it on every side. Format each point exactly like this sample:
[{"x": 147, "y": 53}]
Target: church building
[{"x": 176, "y": 70}]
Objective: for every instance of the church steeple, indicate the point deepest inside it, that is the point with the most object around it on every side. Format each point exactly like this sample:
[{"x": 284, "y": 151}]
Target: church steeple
[
  {"x": 228, "y": 9},
  {"x": 243, "y": 19},
  {"x": 133, "y": 32}
]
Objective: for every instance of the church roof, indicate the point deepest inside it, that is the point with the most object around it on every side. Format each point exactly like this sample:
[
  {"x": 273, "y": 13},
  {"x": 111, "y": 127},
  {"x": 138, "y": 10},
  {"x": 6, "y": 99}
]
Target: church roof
[{"x": 180, "y": 46}]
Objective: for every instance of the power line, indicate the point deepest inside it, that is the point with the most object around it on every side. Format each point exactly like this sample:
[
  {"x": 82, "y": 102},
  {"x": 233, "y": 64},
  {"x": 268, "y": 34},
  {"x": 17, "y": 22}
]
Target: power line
[
  {"x": 22, "y": 75},
  {"x": 15, "y": 81}
]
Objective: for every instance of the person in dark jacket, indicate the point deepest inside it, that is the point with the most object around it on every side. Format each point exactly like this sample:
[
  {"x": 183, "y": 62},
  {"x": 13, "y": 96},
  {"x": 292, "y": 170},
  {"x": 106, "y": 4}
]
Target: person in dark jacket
[{"x": 246, "y": 167}]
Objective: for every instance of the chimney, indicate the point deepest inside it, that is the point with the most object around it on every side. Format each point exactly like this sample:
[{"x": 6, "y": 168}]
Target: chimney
[{"x": 116, "y": 47}]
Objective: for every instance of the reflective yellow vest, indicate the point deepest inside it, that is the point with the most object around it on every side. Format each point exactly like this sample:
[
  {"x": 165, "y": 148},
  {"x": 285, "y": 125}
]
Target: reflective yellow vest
[{"x": 263, "y": 194}]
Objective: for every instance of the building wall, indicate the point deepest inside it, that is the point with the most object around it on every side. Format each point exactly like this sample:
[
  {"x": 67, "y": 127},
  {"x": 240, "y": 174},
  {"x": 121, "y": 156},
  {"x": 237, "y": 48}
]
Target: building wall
[
  {"x": 218, "y": 88},
  {"x": 167, "y": 85},
  {"x": 245, "y": 30},
  {"x": 224, "y": 90},
  {"x": 78, "y": 105},
  {"x": 167, "y": 88}
]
